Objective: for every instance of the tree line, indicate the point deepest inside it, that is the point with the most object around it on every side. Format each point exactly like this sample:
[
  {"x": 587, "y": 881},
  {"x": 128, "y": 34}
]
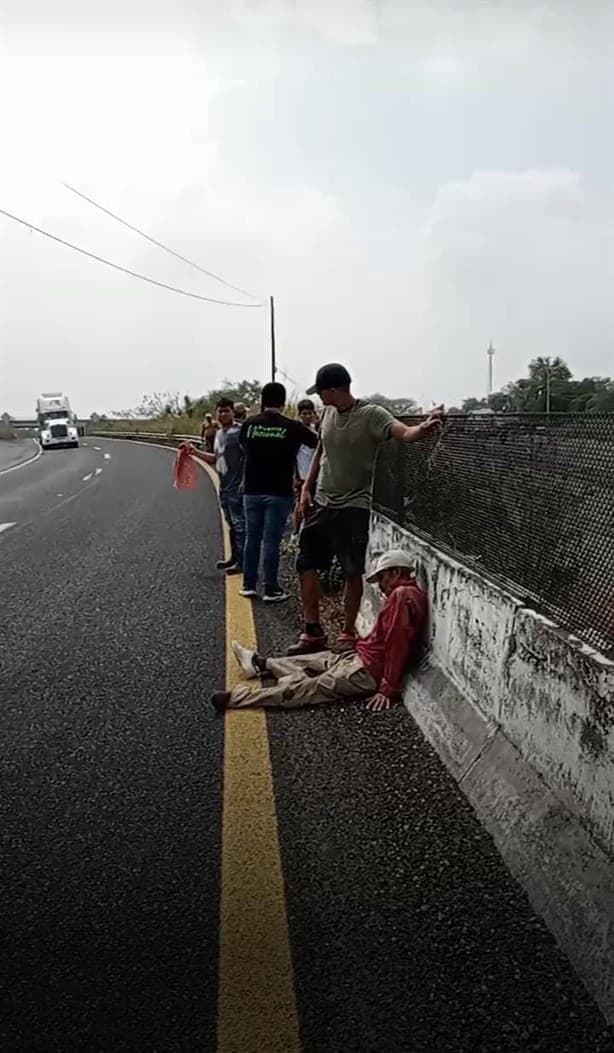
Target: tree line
[{"x": 548, "y": 387}]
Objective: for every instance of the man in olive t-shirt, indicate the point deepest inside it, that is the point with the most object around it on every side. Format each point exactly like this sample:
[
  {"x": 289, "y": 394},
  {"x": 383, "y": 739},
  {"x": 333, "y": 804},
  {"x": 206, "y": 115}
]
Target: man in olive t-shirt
[{"x": 337, "y": 522}]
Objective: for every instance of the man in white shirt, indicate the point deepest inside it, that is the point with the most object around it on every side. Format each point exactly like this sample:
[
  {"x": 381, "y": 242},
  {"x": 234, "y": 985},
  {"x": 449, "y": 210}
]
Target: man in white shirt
[
  {"x": 228, "y": 458},
  {"x": 307, "y": 415}
]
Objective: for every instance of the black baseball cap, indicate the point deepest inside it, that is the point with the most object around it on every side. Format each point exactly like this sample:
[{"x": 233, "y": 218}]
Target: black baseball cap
[{"x": 332, "y": 375}]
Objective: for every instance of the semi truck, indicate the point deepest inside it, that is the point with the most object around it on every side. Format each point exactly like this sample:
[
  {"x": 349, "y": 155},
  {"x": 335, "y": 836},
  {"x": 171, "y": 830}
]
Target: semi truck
[{"x": 57, "y": 424}]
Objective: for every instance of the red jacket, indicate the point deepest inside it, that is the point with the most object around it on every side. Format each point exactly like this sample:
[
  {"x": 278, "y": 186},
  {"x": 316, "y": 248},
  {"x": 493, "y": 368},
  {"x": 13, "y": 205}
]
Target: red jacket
[{"x": 387, "y": 648}]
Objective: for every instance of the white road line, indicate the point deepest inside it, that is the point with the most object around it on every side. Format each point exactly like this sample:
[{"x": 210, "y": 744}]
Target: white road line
[
  {"x": 84, "y": 444},
  {"x": 98, "y": 471},
  {"x": 107, "y": 456},
  {"x": 6, "y": 526},
  {"x": 59, "y": 495},
  {"x": 96, "y": 448},
  {"x": 23, "y": 464},
  {"x": 86, "y": 478}
]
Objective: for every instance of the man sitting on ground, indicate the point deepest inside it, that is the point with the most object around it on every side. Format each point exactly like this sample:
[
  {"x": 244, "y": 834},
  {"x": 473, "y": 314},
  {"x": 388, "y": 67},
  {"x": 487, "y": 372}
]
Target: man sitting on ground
[{"x": 373, "y": 671}]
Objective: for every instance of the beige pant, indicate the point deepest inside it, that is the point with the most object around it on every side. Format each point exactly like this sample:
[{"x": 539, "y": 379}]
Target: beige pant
[{"x": 307, "y": 680}]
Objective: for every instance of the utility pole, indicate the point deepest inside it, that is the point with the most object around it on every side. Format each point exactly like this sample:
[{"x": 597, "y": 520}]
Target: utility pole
[
  {"x": 548, "y": 389},
  {"x": 491, "y": 355},
  {"x": 273, "y": 358}
]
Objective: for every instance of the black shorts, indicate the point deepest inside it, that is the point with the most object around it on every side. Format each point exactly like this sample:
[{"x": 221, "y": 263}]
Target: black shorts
[{"x": 327, "y": 532}]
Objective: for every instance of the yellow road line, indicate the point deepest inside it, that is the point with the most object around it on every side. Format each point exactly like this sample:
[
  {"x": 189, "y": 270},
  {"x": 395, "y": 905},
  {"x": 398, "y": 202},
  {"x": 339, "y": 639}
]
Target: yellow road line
[{"x": 256, "y": 1001}]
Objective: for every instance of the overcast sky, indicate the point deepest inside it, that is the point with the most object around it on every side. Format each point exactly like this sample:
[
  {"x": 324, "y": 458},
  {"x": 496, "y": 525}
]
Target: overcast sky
[{"x": 410, "y": 180}]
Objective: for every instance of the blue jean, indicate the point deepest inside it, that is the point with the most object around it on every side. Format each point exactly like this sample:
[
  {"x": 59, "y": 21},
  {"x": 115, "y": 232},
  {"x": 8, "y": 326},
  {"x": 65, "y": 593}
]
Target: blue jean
[
  {"x": 265, "y": 517},
  {"x": 234, "y": 514}
]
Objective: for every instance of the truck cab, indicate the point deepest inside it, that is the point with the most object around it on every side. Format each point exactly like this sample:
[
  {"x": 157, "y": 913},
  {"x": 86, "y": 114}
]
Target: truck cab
[{"x": 57, "y": 425}]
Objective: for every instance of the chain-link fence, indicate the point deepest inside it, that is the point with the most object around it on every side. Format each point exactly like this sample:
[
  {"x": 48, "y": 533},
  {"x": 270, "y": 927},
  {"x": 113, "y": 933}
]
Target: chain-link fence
[{"x": 530, "y": 499}]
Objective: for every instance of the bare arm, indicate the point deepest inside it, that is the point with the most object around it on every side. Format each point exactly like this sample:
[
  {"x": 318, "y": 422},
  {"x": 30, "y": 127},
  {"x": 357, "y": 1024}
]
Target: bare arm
[
  {"x": 202, "y": 455},
  {"x": 414, "y": 432}
]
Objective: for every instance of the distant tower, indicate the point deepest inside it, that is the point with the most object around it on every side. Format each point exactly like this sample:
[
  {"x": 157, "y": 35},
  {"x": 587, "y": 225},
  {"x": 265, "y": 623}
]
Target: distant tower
[{"x": 491, "y": 355}]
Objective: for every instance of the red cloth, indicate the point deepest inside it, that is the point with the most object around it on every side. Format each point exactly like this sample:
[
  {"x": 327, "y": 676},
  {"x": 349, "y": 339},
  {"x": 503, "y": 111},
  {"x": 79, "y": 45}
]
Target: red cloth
[
  {"x": 387, "y": 648},
  {"x": 185, "y": 476}
]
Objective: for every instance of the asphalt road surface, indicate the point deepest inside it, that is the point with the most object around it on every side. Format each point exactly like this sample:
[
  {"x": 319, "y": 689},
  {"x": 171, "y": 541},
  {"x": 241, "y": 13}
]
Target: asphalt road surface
[
  {"x": 406, "y": 933},
  {"x": 16, "y": 451}
]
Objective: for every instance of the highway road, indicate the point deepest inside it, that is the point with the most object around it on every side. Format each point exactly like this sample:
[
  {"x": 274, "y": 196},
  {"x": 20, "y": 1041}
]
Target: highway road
[
  {"x": 14, "y": 452},
  {"x": 175, "y": 882}
]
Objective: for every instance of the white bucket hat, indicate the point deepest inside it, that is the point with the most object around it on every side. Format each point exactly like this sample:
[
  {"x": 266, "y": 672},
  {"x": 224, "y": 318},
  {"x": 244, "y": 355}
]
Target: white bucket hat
[{"x": 396, "y": 557}]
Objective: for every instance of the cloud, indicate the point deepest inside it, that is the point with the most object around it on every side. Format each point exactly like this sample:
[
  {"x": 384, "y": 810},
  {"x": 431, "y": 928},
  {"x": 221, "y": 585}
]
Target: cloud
[
  {"x": 409, "y": 180},
  {"x": 525, "y": 258},
  {"x": 350, "y": 23},
  {"x": 444, "y": 40},
  {"x": 137, "y": 136},
  {"x": 286, "y": 220},
  {"x": 131, "y": 119}
]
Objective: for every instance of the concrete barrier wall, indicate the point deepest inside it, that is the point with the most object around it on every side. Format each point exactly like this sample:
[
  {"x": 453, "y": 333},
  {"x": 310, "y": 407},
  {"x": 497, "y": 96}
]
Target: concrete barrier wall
[
  {"x": 559, "y": 713},
  {"x": 523, "y": 716},
  {"x": 552, "y": 696}
]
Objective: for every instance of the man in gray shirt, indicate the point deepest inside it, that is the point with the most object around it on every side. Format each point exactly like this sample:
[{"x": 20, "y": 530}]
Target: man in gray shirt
[
  {"x": 336, "y": 523},
  {"x": 229, "y": 460}
]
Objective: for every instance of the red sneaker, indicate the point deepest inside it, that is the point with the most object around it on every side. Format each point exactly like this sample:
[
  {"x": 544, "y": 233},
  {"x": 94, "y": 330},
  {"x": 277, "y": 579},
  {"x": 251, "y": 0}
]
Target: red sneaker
[
  {"x": 307, "y": 645},
  {"x": 346, "y": 643}
]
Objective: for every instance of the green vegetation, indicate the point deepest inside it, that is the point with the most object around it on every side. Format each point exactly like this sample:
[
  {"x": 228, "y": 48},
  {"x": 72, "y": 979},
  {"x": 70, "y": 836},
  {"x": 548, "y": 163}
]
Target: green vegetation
[
  {"x": 549, "y": 387},
  {"x": 173, "y": 414},
  {"x": 400, "y": 407}
]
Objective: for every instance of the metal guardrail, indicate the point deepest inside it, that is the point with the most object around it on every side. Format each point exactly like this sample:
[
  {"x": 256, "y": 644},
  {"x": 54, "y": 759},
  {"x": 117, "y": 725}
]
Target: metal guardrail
[
  {"x": 33, "y": 423},
  {"x": 20, "y": 426},
  {"x": 166, "y": 438}
]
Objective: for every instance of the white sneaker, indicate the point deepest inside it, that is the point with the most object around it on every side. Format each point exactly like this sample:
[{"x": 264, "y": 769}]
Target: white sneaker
[
  {"x": 248, "y": 594},
  {"x": 278, "y": 596},
  {"x": 245, "y": 658}
]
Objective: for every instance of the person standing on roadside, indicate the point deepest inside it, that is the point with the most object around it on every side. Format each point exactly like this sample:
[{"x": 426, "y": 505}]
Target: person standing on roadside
[
  {"x": 240, "y": 413},
  {"x": 307, "y": 416},
  {"x": 270, "y": 442},
  {"x": 228, "y": 459},
  {"x": 336, "y": 521},
  {"x": 208, "y": 430}
]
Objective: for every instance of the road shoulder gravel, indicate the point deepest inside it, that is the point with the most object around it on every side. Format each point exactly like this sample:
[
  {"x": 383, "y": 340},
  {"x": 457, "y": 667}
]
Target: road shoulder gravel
[{"x": 407, "y": 930}]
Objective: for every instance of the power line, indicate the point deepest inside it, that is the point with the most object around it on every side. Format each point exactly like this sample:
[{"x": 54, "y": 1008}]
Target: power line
[
  {"x": 293, "y": 380},
  {"x": 159, "y": 244},
  {"x": 124, "y": 270}
]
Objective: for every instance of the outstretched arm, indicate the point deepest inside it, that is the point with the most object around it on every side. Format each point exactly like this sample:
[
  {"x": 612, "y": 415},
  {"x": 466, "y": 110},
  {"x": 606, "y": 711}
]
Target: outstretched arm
[
  {"x": 414, "y": 432},
  {"x": 202, "y": 455}
]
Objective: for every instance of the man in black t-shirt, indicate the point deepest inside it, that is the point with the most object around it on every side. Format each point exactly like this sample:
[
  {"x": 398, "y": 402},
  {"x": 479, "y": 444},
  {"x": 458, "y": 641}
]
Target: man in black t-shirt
[{"x": 271, "y": 442}]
